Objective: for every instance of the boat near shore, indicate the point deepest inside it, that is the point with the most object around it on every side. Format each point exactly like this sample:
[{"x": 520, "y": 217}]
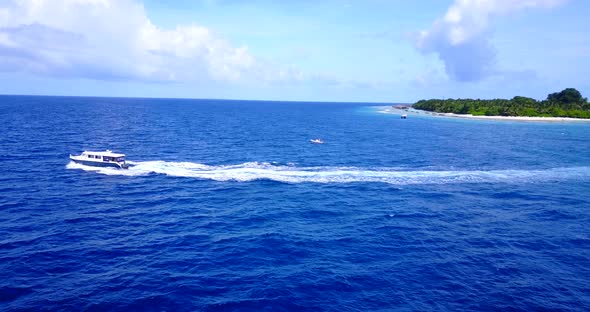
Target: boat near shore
[{"x": 101, "y": 159}]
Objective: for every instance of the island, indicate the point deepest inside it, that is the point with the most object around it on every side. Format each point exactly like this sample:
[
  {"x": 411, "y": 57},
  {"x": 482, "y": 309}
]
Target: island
[{"x": 568, "y": 103}]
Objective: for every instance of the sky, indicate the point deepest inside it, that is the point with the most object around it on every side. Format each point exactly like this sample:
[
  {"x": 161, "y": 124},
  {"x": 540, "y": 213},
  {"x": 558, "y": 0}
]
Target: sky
[{"x": 391, "y": 51}]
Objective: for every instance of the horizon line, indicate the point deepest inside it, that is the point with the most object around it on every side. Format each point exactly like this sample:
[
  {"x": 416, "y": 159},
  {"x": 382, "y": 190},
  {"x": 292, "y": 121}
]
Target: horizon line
[{"x": 189, "y": 98}]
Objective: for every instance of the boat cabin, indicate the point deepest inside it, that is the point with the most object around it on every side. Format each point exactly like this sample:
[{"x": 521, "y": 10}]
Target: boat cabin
[{"x": 104, "y": 156}]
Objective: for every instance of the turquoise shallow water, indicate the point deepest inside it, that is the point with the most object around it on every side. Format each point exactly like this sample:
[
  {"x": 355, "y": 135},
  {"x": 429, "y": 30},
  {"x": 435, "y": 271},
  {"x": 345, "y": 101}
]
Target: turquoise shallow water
[{"x": 230, "y": 208}]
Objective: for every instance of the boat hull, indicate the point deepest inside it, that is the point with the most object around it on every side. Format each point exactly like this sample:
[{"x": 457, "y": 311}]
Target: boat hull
[{"x": 99, "y": 163}]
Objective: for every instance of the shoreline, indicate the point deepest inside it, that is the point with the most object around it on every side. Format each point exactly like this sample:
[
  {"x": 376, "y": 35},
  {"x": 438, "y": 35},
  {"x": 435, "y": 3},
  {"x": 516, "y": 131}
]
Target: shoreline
[{"x": 412, "y": 111}]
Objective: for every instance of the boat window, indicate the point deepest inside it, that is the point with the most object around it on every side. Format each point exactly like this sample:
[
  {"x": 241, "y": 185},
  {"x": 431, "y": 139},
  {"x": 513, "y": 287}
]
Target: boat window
[
  {"x": 120, "y": 159},
  {"x": 90, "y": 156}
]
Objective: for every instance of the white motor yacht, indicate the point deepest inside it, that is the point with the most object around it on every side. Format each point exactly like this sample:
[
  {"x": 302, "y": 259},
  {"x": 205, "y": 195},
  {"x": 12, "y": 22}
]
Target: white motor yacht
[{"x": 101, "y": 159}]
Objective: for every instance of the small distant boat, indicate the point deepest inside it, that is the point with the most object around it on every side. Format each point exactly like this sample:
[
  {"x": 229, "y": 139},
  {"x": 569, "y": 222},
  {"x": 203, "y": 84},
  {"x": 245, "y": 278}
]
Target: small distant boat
[
  {"x": 316, "y": 141},
  {"x": 101, "y": 159},
  {"x": 404, "y": 116}
]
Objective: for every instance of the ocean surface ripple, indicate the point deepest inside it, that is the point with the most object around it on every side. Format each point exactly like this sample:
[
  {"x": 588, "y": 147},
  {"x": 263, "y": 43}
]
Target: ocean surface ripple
[{"x": 228, "y": 207}]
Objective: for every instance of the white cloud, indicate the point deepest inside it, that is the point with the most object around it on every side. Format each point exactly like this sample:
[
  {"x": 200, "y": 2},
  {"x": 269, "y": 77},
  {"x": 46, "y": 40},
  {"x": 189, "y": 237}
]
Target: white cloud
[
  {"x": 114, "y": 39},
  {"x": 461, "y": 37}
]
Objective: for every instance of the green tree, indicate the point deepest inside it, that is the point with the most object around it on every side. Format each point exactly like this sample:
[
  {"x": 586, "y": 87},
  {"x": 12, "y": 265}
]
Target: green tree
[{"x": 567, "y": 96}]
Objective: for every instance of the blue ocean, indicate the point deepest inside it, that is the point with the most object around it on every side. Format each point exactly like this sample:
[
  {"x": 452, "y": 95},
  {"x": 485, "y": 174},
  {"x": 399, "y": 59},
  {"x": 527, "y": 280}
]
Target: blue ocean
[{"x": 229, "y": 207}]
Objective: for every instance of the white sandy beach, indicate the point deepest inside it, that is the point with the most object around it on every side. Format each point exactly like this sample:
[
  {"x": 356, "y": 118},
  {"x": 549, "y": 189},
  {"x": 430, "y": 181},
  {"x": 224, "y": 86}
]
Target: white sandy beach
[{"x": 412, "y": 111}]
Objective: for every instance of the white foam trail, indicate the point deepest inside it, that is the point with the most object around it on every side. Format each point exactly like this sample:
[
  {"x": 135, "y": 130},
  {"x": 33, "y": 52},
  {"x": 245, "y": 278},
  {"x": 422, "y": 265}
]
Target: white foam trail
[{"x": 291, "y": 174}]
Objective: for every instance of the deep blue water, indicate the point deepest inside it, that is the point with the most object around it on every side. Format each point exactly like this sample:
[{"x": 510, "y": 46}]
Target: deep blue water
[{"x": 230, "y": 208}]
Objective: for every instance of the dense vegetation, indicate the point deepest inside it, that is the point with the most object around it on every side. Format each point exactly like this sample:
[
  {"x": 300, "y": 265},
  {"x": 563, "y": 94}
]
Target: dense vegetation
[{"x": 567, "y": 103}]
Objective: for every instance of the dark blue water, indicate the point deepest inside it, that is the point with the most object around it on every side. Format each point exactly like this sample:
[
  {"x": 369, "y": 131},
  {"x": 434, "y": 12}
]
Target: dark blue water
[{"x": 230, "y": 208}]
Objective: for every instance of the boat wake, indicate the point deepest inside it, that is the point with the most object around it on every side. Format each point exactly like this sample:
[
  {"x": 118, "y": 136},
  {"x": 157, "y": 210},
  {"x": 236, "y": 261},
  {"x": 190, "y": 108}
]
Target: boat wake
[{"x": 292, "y": 174}]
